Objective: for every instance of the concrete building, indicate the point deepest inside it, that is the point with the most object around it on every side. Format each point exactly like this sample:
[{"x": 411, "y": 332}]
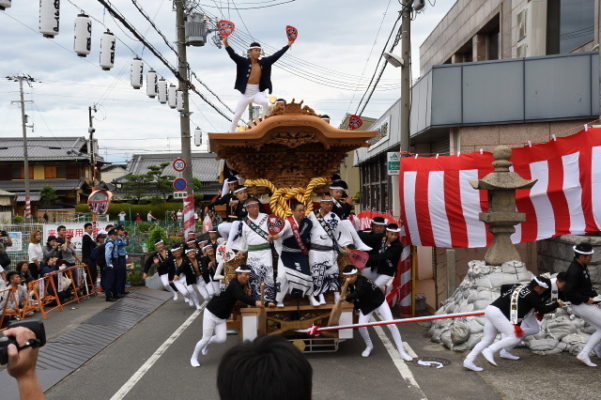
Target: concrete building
[{"x": 493, "y": 72}]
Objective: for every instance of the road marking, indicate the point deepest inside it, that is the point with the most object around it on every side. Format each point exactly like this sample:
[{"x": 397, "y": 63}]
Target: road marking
[
  {"x": 399, "y": 363},
  {"x": 131, "y": 382}
]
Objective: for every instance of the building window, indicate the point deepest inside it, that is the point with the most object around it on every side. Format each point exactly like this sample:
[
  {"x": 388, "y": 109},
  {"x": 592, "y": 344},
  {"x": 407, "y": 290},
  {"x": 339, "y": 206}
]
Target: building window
[
  {"x": 375, "y": 185},
  {"x": 55, "y": 172},
  {"x": 570, "y": 25},
  {"x": 17, "y": 172}
]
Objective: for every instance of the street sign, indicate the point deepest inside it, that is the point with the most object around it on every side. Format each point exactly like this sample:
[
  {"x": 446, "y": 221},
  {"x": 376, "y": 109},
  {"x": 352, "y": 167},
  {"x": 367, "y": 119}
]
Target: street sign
[
  {"x": 179, "y": 164},
  {"x": 393, "y": 162},
  {"x": 180, "y": 195},
  {"x": 180, "y": 184}
]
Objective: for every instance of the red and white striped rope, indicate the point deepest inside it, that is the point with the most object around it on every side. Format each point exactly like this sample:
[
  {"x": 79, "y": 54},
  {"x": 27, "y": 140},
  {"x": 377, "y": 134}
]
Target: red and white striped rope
[{"x": 314, "y": 330}]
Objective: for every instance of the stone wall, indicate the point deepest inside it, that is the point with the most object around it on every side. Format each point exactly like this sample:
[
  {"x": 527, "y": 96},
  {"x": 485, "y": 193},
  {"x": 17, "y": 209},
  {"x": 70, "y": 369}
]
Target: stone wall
[{"x": 555, "y": 255}]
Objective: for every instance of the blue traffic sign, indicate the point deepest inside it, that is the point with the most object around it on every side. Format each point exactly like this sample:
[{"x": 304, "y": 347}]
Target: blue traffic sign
[{"x": 180, "y": 184}]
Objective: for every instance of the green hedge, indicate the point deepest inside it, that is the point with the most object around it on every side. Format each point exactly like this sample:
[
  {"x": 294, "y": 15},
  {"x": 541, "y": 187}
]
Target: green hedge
[{"x": 158, "y": 210}]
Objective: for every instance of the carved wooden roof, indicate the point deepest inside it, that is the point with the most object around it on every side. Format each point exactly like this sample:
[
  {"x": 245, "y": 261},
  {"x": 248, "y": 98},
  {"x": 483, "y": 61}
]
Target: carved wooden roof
[{"x": 289, "y": 147}]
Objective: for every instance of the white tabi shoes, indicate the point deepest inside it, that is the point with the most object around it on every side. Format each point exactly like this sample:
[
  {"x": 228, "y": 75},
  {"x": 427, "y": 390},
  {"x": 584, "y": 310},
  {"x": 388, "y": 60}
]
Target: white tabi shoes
[
  {"x": 490, "y": 357},
  {"x": 585, "y": 359},
  {"x": 405, "y": 356},
  {"x": 314, "y": 302},
  {"x": 322, "y": 299},
  {"x": 470, "y": 365},
  {"x": 507, "y": 355},
  {"x": 367, "y": 351}
]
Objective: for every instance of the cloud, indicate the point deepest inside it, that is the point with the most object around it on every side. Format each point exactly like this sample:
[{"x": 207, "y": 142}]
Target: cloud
[{"x": 335, "y": 40}]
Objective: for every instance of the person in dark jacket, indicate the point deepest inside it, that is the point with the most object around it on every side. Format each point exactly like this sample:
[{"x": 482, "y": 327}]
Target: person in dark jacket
[
  {"x": 253, "y": 77},
  {"x": 384, "y": 260},
  {"x": 505, "y": 315},
  {"x": 368, "y": 298},
  {"x": 87, "y": 245},
  {"x": 162, "y": 259},
  {"x": 214, "y": 321},
  {"x": 580, "y": 292}
]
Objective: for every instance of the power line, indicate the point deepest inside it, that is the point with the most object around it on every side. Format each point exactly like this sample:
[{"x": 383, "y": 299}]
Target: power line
[
  {"x": 251, "y": 7},
  {"x": 157, "y": 54},
  {"x": 379, "y": 60},
  {"x": 151, "y": 22}
]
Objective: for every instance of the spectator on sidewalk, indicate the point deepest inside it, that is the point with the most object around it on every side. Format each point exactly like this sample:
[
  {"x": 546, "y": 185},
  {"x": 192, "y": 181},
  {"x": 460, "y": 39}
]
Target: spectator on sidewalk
[
  {"x": 150, "y": 218},
  {"x": 121, "y": 272},
  {"x": 35, "y": 253},
  {"x": 16, "y": 302},
  {"x": 138, "y": 218},
  {"x": 87, "y": 246},
  {"x": 98, "y": 257},
  {"x": 52, "y": 249},
  {"x": 68, "y": 253},
  {"x": 61, "y": 232},
  {"x": 122, "y": 216},
  {"x": 25, "y": 272},
  {"x": 4, "y": 258}
]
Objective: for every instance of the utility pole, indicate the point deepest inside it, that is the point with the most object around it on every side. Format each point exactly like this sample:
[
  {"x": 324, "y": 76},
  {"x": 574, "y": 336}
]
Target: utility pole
[
  {"x": 405, "y": 73},
  {"x": 92, "y": 150},
  {"x": 20, "y": 79},
  {"x": 184, "y": 118}
]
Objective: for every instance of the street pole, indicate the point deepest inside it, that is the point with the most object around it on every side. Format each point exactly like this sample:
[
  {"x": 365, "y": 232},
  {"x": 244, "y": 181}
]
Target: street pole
[
  {"x": 25, "y": 155},
  {"x": 20, "y": 79},
  {"x": 405, "y": 73},
  {"x": 91, "y": 131},
  {"x": 184, "y": 118}
]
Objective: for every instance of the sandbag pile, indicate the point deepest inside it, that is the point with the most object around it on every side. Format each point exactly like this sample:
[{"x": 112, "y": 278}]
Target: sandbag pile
[{"x": 560, "y": 331}]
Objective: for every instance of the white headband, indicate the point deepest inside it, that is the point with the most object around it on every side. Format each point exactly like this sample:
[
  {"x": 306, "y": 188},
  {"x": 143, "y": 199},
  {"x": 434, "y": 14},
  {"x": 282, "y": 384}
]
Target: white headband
[
  {"x": 243, "y": 270},
  {"x": 379, "y": 223},
  {"x": 189, "y": 250},
  {"x": 541, "y": 283},
  {"x": 351, "y": 272},
  {"x": 585, "y": 253},
  {"x": 159, "y": 242},
  {"x": 327, "y": 200},
  {"x": 394, "y": 230},
  {"x": 176, "y": 249},
  {"x": 337, "y": 188},
  {"x": 254, "y": 47},
  {"x": 241, "y": 188},
  {"x": 208, "y": 245}
]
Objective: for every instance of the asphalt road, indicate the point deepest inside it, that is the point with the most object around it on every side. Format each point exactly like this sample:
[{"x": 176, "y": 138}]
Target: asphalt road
[{"x": 341, "y": 375}]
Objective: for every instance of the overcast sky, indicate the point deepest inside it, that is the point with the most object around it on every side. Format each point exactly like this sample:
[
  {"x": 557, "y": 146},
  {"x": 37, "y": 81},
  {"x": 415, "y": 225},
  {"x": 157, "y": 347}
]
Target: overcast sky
[{"x": 339, "y": 40}]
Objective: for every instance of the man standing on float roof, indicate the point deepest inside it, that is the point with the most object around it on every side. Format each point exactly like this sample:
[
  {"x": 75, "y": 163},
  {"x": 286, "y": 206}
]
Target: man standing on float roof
[{"x": 253, "y": 77}]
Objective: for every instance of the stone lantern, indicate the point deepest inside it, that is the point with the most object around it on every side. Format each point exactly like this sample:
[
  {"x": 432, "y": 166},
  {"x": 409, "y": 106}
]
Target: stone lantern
[{"x": 502, "y": 215}]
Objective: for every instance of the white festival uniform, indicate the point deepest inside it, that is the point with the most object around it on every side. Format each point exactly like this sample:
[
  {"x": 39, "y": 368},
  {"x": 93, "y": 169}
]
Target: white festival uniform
[{"x": 259, "y": 256}]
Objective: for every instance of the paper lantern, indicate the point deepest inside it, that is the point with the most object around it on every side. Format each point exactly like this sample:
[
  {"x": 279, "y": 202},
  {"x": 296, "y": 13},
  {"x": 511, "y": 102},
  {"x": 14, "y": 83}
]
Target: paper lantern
[
  {"x": 137, "y": 73},
  {"x": 162, "y": 92},
  {"x": 49, "y": 17},
  {"x": 179, "y": 101},
  {"x": 107, "y": 50},
  {"x": 82, "y": 43},
  {"x": 4, "y": 4},
  {"x": 151, "y": 84},
  {"x": 172, "y": 96}
]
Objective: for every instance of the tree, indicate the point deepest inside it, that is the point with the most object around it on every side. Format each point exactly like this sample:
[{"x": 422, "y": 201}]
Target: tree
[
  {"x": 48, "y": 197},
  {"x": 136, "y": 186},
  {"x": 161, "y": 183}
]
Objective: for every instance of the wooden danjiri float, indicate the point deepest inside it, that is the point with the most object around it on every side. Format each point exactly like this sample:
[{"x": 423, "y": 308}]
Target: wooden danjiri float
[{"x": 289, "y": 154}]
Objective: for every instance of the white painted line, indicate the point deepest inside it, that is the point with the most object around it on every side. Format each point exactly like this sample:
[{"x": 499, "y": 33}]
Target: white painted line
[
  {"x": 399, "y": 363},
  {"x": 131, "y": 382}
]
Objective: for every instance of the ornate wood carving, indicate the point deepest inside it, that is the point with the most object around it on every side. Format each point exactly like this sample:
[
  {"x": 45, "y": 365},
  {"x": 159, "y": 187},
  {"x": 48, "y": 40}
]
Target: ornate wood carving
[{"x": 289, "y": 147}]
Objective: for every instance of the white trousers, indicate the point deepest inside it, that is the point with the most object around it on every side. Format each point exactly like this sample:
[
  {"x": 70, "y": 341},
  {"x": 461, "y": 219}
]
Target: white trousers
[
  {"x": 495, "y": 322},
  {"x": 214, "y": 330},
  {"x": 386, "y": 315},
  {"x": 206, "y": 290},
  {"x": 165, "y": 282},
  {"x": 529, "y": 325},
  {"x": 251, "y": 95},
  {"x": 591, "y": 313}
]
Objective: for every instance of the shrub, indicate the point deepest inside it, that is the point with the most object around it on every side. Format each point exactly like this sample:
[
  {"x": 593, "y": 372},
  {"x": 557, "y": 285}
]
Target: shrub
[
  {"x": 156, "y": 233},
  {"x": 18, "y": 219},
  {"x": 158, "y": 210}
]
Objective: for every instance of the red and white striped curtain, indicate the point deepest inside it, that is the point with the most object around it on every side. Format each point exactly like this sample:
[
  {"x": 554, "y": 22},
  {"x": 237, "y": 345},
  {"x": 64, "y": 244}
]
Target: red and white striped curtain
[{"x": 440, "y": 208}]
